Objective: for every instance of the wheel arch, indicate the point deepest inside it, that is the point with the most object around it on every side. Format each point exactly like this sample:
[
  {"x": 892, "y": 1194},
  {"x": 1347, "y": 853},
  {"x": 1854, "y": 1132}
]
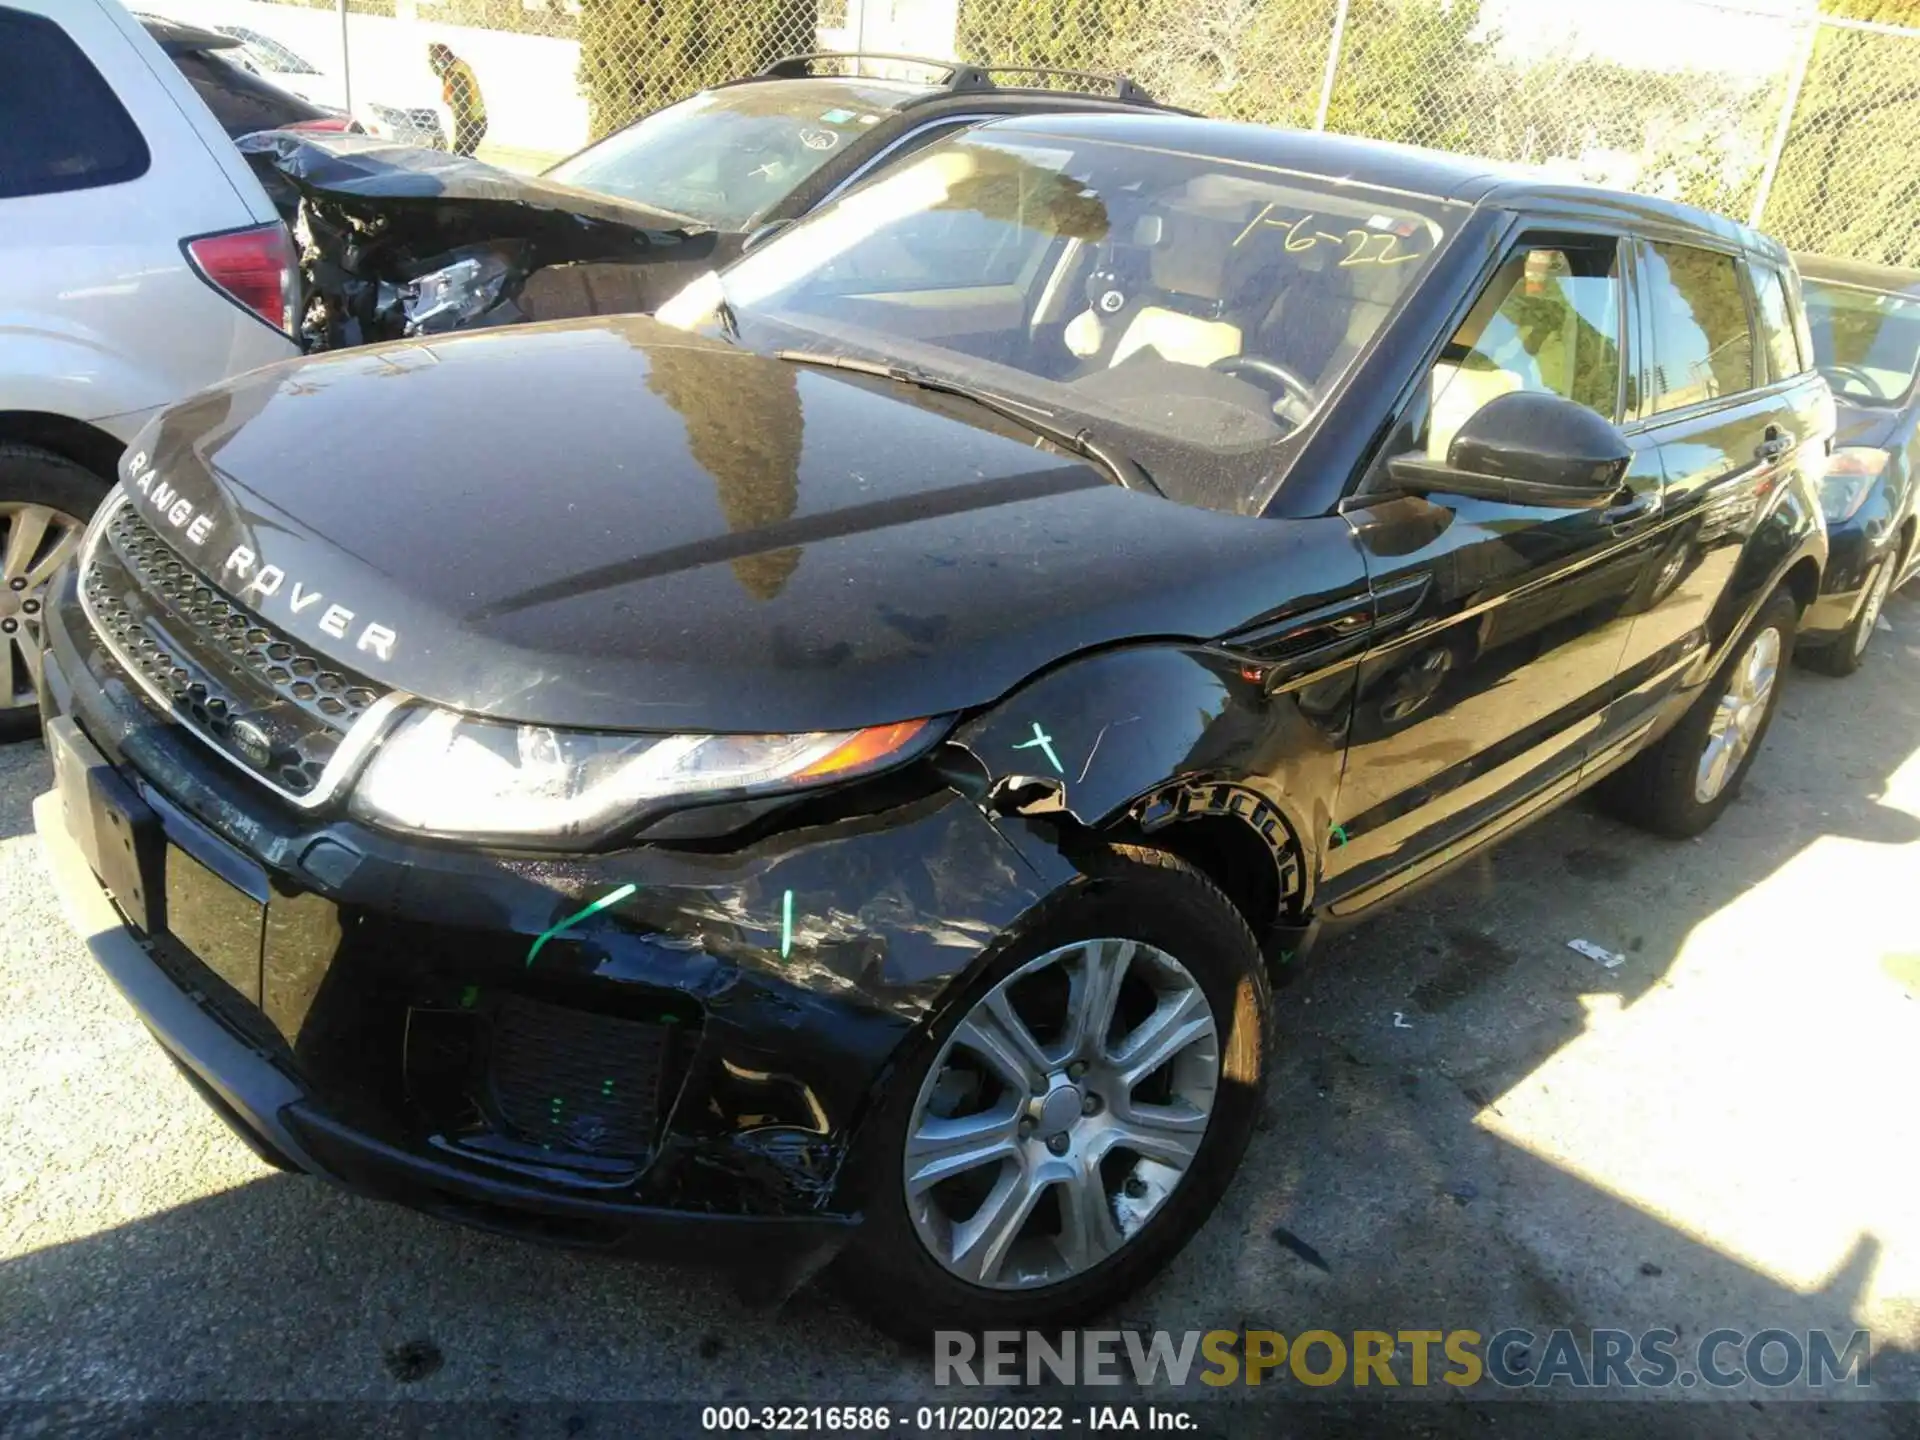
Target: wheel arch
[
  {"x": 87, "y": 446},
  {"x": 1802, "y": 580},
  {"x": 1234, "y": 836}
]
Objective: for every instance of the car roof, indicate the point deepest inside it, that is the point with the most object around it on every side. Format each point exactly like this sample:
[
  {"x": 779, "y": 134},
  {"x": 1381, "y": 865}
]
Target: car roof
[
  {"x": 178, "y": 39},
  {"x": 955, "y": 79},
  {"x": 1410, "y": 169},
  {"x": 1888, "y": 279}
]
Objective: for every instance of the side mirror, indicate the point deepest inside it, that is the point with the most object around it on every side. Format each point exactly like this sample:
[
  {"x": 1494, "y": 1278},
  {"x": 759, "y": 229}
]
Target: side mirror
[
  {"x": 1524, "y": 448},
  {"x": 761, "y": 234}
]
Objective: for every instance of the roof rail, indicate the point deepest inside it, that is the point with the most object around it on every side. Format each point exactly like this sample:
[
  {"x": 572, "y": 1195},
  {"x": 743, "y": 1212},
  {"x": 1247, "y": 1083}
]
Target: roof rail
[
  {"x": 1123, "y": 87},
  {"x": 960, "y": 75}
]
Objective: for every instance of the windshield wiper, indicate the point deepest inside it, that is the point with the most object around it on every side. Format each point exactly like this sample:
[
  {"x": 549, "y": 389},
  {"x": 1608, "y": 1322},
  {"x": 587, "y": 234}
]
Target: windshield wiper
[{"x": 1124, "y": 468}]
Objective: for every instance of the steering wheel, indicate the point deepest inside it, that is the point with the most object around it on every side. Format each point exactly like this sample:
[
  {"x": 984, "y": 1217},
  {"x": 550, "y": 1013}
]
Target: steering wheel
[
  {"x": 1265, "y": 369},
  {"x": 1858, "y": 373}
]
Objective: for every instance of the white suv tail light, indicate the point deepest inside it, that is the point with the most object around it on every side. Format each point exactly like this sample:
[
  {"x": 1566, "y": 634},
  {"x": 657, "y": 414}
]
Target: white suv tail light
[{"x": 255, "y": 268}]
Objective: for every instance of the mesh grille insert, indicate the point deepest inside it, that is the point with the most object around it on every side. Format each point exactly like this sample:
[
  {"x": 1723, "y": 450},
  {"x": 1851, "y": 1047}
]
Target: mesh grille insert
[
  {"x": 574, "y": 1080},
  {"x": 216, "y": 664}
]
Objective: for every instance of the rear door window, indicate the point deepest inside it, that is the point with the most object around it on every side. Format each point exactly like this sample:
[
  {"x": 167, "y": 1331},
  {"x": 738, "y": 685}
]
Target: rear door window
[
  {"x": 1776, "y": 329},
  {"x": 61, "y": 126},
  {"x": 1702, "y": 340}
]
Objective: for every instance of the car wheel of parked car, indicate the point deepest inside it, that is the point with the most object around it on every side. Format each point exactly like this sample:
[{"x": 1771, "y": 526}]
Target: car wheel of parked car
[
  {"x": 1074, "y": 1117},
  {"x": 44, "y": 503},
  {"x": 1849, "y": 648},
  {"x": 1681, "y": 785}
]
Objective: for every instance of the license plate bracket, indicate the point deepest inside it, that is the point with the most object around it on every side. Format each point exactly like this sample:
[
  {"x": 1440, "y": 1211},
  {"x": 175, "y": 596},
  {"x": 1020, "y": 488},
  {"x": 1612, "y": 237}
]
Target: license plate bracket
[{"x": 116, "y": 830}]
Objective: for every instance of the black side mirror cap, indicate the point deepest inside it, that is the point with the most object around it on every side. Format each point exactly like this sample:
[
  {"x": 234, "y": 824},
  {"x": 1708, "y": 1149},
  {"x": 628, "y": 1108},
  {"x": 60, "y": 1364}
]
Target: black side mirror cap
[{"x": 1525, "y": 448}]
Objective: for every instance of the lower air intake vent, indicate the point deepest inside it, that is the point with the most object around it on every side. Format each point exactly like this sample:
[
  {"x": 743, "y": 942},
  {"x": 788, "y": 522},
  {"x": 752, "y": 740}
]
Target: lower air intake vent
[{"x": 572, "y": 1080}]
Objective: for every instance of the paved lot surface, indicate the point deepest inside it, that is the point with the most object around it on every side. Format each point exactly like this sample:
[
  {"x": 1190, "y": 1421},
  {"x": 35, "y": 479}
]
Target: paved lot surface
[{"x": 1471, "y": 1126}]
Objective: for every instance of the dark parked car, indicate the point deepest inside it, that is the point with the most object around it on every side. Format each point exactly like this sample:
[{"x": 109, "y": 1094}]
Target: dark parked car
[
  {"x": 407, "y": 241},
  {"x": 240, "y": 100},
  {"x": 1865, "y": 333},
  {"x": 833, "y": 767},
  {"x": 760, "y": 152}
]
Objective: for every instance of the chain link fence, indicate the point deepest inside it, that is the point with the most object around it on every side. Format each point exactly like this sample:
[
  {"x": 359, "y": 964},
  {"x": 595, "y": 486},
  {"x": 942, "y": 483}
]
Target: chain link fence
[
  {"x": 1756, "y": 108},
  {"x": 1847, "y": 181}
]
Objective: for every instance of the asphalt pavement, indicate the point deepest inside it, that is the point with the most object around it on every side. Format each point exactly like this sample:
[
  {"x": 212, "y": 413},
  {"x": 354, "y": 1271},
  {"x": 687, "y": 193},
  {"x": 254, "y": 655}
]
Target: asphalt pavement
[{"x": 1471, "y": 1125}]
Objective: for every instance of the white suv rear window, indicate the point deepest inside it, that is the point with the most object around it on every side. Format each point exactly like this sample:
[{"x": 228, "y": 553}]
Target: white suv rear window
[{"x": 61, "y": 126}]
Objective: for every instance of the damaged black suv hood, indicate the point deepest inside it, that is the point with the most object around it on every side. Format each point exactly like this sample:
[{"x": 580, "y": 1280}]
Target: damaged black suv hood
[
  {"x": 612, "y": 523},
  {"x": 378, "y": 223}
]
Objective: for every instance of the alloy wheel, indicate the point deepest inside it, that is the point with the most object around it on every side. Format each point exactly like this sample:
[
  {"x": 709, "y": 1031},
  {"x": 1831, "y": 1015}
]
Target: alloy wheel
[
  {"x": 1871, "y": 607},
  {"x": 1738, "y": 716},
  {"x": 1415, "y": 687},
  {"x": 34, "y": 540},
  {"x": 1061, "y": 1113}
]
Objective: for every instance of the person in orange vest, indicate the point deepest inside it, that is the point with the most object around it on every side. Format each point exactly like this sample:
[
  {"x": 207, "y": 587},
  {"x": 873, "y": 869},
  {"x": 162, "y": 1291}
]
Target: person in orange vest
[{"x": 461, "y": 90}]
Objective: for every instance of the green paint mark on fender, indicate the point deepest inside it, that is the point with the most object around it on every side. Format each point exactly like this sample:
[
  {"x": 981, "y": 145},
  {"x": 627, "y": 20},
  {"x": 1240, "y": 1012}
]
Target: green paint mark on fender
[
  {"x": 613, "y": 897},
  {"x": 1338, "y": 837},
  {"x": 1045, "y": 742}
]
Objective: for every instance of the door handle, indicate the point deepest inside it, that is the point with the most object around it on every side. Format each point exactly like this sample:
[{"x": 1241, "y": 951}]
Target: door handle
[
  {"x": 1632, "y": 505},
  {"x": 1777, "y": 443}
]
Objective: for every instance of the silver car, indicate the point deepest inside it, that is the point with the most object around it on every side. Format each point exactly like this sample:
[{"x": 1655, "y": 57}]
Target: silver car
[
  {"x": 287, "y": 68},
  {"x": 140, "y": 261}
]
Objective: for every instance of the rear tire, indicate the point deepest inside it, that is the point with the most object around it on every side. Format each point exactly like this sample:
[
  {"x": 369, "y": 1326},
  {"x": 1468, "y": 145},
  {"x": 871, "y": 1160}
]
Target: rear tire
[
  {"x": 1168, "y": 909},
  {"x": 1676, "y": 788},
  {"x": 45, "y": 501}
]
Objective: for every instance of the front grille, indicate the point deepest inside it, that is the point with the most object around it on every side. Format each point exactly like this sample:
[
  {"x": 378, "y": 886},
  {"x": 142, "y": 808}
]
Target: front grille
[
  {"x": 575, "y": 1080},
  {"x": 243, "y": 686}
]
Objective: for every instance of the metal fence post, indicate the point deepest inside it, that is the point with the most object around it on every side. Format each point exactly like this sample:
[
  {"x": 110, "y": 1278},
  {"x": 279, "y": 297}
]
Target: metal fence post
[
  {"x": 1802, "y": 63},
  {"x": 1333, "y": 65},
  {"x": 346, "y": 61}
]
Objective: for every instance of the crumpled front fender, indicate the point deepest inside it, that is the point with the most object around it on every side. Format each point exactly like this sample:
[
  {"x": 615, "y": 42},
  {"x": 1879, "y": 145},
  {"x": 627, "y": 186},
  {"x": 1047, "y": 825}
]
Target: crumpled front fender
[{"x": 1144, "y": 737}]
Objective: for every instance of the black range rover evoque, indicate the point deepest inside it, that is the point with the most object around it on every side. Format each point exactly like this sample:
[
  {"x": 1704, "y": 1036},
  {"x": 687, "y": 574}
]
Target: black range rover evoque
[{"x": 830, "y": 771}]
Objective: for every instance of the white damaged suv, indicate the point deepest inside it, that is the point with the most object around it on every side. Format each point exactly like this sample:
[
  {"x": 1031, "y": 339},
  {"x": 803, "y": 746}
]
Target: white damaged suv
[{"x": 140, "y": 261}]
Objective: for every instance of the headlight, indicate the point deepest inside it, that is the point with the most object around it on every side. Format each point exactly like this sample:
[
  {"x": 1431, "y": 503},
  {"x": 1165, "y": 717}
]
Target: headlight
[
  {"x": 442, "y": 773},
  {"x": 1851, "y": 471}
]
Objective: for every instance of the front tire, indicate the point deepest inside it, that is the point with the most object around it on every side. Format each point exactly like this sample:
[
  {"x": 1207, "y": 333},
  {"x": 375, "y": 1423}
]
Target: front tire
[
  {"x": 1848, "y": 650},
  {"x": 1679, "y": 787},
  {"x": 45, "y": 500},
  {"x": 1073, "y": 1117}
]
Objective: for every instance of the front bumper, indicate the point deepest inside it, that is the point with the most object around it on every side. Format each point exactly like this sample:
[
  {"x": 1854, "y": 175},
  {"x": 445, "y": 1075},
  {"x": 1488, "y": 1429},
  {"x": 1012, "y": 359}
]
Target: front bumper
[
  {"x": 285, "y": 1125},
  {"x": 1854, "y": 548},
  {"x": 345, "y": 998}
]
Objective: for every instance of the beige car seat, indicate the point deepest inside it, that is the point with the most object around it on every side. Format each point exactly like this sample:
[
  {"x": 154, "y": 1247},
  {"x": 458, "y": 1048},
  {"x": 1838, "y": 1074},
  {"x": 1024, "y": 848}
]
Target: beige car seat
[{"x": 1189, "y": 266}]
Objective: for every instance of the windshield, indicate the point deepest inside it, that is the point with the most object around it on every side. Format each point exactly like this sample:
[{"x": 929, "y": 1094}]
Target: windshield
[
  {"x": 1865, "y": 342},
  {"x": 724, "y": 156},
  {"x": 1179, "y": 303}
]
